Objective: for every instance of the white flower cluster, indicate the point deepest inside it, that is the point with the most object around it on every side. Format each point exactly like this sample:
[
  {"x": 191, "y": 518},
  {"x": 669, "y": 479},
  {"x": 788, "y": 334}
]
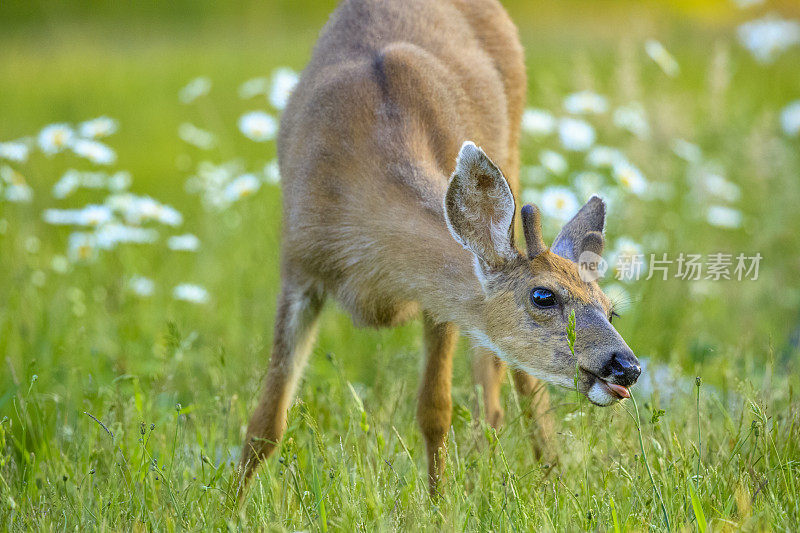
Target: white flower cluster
[
  {"x": 766, "y": 38},
  {"x": 222, "y": 185}
]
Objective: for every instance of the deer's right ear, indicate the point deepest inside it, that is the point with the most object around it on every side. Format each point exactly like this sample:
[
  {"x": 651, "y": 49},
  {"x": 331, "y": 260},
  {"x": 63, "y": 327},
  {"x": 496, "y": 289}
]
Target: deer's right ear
[{"x": 479, "y": 207}]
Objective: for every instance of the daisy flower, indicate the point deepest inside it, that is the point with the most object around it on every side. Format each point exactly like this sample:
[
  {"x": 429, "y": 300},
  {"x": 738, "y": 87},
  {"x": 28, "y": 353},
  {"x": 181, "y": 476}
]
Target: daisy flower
[
  {"x": 585, "y": 102},
  {"x": 14, "y": 151},
  {"x": 284, "y": 80},
  {"x": 767, "y": 37},
  {"x": 258, "y": 126},
  {"x": 253, "y": 87},
  {"x": 587, "y": 183},
  {"x": 183, "y": 243},
  {"x": 633, "y": 119},
  {"x": 188, "y": 292},
  {"x": 559, "y": 203},
  {"x": 689, "y": 152},
  {"x": 272, "y": 172},
  {"x": 724, "y": 217},
  {"x": 191, "y": 134},
  {"x": 605, "y": 157},
  {"x": 55, "y": 138},
  {"x": 98, "y": 127},
  {"x": 244, "y": 185},
  {"x": 790, "y": 119},
  {"x": 141, "y": 286},
  {"x": 17, "y": 189},
  {"x": 631, "y": 178},
  {"x": 95, "y": 151},
  {"x": 553, "y": 161},
  {"x": 109, "y": 235},
  {"x": 656, "y": 51},
  {"x": 193, "y": 90},
  {"x": 119, "y": 181},
  {"x": 81, "y": 246},
  {"x": 575, "y": 134},
  {"x": 537, "y": 122}
]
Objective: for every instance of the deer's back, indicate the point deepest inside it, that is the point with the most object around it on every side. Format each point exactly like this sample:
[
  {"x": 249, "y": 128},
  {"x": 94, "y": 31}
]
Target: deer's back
[{"x": 370, "y": 135}]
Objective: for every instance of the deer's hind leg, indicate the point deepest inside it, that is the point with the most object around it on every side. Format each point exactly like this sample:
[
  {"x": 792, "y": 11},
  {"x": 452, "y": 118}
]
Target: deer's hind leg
[
  {"x": 489, "y": 372},
  {"x": 295, "y": 329}
]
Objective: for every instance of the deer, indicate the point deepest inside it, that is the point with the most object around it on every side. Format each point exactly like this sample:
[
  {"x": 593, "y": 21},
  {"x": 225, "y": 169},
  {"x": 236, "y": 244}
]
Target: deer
[{"x": 394, "y": 205}]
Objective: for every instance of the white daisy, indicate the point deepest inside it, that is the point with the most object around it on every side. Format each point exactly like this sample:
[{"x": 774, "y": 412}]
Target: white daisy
[
  {"x": 81, "y": 246},
  {"x": 188, "y": 292},
  {"x": 633, "y": 119},
  {"x": 587, "y": 183},
  {"x": 141, "y": 286},
  {"x": 258, "y": 126},
  {"x": 575, "y": 134},
  {"x": 662, "y": 57},
  {"x": 272, "y": 172},
  {"x": 724, "y": 217},
  {"x": 14, "y": 151},
  {"x": 95, "y": 215},
  {"x": 790, "y": 119},
  {"x": 67, "y": 184},
  {"x": 631, "y": 178},
  {"x": 244, "y": 185},
  {"x": 553, "y": 161},
  {"x": 109, "y": 235},
  {"x": 119, "y": 181},
  {"x": 284, "y": 80},
  {"x": 538, "y": 122},
  {"x": 59, "y": 264},
  {"x": 191, "y": 134},
  {"x": 183, "y": 243},
  {"x": 559, "y": 203},
  {"x": 55, "y": 138},
  {"x": 689, "y": 152},
  {"x": 767, "y": 37},
  {"x": 168, "y": 215},
  {"x": 193, "y": 90},
  {"x": 98, "y": 128},
  {"x": 605, "y": 157},
  {"x": 95, "y": 151},
  {"x": 17, "y": 189},
  {"x": 534, "y": 174},
  {"x": 716, "y": 184},
  {"x": 585, "y": 102},
  {"x": 253, "y": 87}
]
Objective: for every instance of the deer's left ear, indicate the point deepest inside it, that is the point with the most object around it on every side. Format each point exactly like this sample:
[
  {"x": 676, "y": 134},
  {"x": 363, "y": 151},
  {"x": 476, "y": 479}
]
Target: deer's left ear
[
  {"x": 479, "y": 208},
  {"x": 583, "y": 232}
]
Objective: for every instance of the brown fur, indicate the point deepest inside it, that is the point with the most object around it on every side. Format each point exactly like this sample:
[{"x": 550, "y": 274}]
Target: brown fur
[{"x": 366, "y": 146}]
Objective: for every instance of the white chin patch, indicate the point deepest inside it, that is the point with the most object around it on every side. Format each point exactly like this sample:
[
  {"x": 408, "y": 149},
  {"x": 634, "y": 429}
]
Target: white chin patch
[{"x": 600, "y": 395}]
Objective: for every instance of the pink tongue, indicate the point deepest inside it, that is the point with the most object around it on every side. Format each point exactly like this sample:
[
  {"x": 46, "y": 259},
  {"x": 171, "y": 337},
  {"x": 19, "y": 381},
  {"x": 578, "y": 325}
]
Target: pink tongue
[{"x": 619, "y": 389}]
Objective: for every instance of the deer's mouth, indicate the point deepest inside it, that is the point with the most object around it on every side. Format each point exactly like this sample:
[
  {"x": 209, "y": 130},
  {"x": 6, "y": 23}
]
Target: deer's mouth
[
  {"x": 602, "y": 392},
  {"x": 619, "y": 391}
]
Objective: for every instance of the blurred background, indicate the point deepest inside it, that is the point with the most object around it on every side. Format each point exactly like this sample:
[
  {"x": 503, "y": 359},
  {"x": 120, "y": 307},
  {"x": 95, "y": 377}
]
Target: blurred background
[{"x": 684, "y": 114}]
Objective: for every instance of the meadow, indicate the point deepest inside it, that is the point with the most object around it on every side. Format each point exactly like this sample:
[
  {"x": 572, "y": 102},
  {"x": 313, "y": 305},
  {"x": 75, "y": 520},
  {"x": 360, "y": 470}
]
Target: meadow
[{"x": 135, "y": 332}]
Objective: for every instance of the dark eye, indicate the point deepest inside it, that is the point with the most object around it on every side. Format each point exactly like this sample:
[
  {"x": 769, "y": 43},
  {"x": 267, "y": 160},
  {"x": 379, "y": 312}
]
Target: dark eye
[{"x": 542, "y": 297}]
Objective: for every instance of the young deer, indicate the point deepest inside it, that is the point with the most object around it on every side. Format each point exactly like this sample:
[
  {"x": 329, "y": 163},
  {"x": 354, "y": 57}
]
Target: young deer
[{"x": 367, "y": 143}]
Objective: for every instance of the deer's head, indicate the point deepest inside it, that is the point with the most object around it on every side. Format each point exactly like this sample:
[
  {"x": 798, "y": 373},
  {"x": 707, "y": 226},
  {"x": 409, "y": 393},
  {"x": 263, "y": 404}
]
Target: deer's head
[{"x": 529, "y": 297}]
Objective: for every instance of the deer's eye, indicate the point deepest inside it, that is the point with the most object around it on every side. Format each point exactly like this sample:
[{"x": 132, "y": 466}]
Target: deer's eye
[{"x": 541, "y": 297}]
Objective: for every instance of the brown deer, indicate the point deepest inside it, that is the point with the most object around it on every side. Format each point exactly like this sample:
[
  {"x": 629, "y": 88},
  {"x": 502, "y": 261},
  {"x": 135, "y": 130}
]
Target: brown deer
[{"x": 392, "y": 209}]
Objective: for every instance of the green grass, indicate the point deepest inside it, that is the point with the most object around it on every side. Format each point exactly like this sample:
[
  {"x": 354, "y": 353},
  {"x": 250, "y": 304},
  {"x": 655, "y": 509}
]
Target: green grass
[{"x": 120, "y": 412}]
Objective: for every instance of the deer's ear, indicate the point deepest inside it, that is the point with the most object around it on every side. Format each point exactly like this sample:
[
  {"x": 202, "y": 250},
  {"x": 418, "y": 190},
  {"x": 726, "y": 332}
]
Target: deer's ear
[
  {"x": 584, "y": 231},
  {"x": 479, "y": 207}
]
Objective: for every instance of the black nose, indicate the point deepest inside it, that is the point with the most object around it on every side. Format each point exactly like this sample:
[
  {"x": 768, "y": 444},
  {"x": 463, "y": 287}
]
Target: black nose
[{"x": 623, "y": 368}]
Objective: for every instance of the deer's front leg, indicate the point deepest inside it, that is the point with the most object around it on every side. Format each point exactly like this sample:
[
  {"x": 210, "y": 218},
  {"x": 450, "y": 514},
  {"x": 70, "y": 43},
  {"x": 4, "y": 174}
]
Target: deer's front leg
[
  {"x": 435, "y": 404},
  {"x": 535, "y": 400}
]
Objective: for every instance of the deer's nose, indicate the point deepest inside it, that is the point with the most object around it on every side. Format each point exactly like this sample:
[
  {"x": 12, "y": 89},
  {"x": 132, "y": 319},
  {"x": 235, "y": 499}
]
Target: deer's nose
[{"x": 623, "y": 368}]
